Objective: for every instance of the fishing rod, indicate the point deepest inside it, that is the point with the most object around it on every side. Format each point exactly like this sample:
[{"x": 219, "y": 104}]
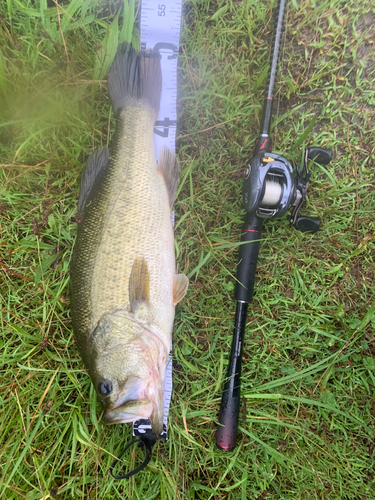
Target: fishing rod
[{"x": 271, "y": 187}]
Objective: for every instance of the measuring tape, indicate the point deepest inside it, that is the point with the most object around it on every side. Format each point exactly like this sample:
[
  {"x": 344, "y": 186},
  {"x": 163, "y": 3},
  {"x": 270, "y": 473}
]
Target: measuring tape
[{"x": 160, "y": 30}]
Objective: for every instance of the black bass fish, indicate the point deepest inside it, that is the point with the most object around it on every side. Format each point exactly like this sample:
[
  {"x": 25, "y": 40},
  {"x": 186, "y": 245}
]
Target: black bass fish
[{"x": 124, "y": 286}]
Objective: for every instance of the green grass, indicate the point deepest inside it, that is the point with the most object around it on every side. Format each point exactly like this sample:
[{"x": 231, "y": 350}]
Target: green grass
[{"x": 307, "y": 424}]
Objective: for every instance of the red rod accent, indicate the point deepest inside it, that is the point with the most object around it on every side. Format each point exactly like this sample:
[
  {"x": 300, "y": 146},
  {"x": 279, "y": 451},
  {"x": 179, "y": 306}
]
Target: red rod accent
[{"x": 227, "y": 447}]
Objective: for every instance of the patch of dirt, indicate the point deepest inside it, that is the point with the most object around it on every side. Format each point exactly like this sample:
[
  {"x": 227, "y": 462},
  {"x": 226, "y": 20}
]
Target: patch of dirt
[{"x": 366, "y": 52}]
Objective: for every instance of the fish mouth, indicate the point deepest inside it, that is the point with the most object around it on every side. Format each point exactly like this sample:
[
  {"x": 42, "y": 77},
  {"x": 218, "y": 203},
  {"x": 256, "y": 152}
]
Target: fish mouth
[
  {"x": 137, "y": 403},
  {"x": 134, "y": 410},
  {"x": 139, "y": 395},
  {"x": 129, "y": 412}
]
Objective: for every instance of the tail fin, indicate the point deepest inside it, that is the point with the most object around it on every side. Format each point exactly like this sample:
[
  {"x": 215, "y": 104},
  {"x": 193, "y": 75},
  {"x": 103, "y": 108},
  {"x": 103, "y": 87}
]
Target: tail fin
[{"x": 135, "y": 77}]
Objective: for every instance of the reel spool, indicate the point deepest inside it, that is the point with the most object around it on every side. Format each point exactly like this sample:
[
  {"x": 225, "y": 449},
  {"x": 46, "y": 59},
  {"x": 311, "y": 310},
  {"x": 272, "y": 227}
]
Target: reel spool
[{"x": 272, "y": 186}]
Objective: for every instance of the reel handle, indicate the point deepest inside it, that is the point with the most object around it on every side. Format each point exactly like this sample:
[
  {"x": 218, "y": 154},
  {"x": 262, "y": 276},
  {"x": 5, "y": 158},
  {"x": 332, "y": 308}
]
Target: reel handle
[{"x": 321, "y": 156}]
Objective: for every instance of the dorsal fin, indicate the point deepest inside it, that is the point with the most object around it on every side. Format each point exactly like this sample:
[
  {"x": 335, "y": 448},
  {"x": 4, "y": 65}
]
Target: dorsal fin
[
  {"x": 139, "y": 283},
  {"x": 96, "y": 163},
  {"x": 168, "y": 166}
]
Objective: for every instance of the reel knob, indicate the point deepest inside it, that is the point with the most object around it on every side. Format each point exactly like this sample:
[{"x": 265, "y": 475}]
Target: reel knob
[
  {"x": 319, "y": 155},
  {"x": 307, "y": 224}
]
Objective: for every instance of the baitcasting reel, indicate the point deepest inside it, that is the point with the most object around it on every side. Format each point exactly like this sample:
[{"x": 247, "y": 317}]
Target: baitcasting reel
[{"x": 272, "y": 186}]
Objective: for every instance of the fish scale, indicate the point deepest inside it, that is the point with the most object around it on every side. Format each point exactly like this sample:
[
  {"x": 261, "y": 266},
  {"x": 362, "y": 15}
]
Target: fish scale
[{"x": 137, "y": 219}]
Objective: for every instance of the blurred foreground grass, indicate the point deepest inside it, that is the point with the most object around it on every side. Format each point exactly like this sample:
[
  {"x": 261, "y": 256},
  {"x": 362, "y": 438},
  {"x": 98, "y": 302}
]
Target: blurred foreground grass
[{"x": 308, "y": 420}]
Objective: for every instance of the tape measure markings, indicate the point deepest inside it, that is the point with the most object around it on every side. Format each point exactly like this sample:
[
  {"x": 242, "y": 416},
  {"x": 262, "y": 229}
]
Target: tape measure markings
[{"x": 160, "y": 30}]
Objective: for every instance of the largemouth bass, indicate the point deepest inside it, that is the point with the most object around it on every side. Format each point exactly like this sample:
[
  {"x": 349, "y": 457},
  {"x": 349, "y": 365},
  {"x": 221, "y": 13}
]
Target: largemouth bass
[{"x": 124, "y": 285}]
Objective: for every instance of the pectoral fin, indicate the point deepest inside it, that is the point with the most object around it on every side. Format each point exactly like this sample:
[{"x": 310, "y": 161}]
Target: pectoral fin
[
  {"x": 168, "y": 166},
  {"x": 139, "y": 283},
  {"x": 180, "y": 286}
]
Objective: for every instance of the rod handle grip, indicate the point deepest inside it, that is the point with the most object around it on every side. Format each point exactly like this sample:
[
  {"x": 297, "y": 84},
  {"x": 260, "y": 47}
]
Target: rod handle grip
[{"x": 226, "y": 433}]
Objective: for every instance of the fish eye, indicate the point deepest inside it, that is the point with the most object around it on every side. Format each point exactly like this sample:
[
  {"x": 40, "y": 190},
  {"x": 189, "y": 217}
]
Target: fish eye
[{"x": 105, "y": 387}]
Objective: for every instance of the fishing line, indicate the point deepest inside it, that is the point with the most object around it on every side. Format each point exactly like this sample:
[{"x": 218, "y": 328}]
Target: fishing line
[{"x": 147, "y": 445}]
